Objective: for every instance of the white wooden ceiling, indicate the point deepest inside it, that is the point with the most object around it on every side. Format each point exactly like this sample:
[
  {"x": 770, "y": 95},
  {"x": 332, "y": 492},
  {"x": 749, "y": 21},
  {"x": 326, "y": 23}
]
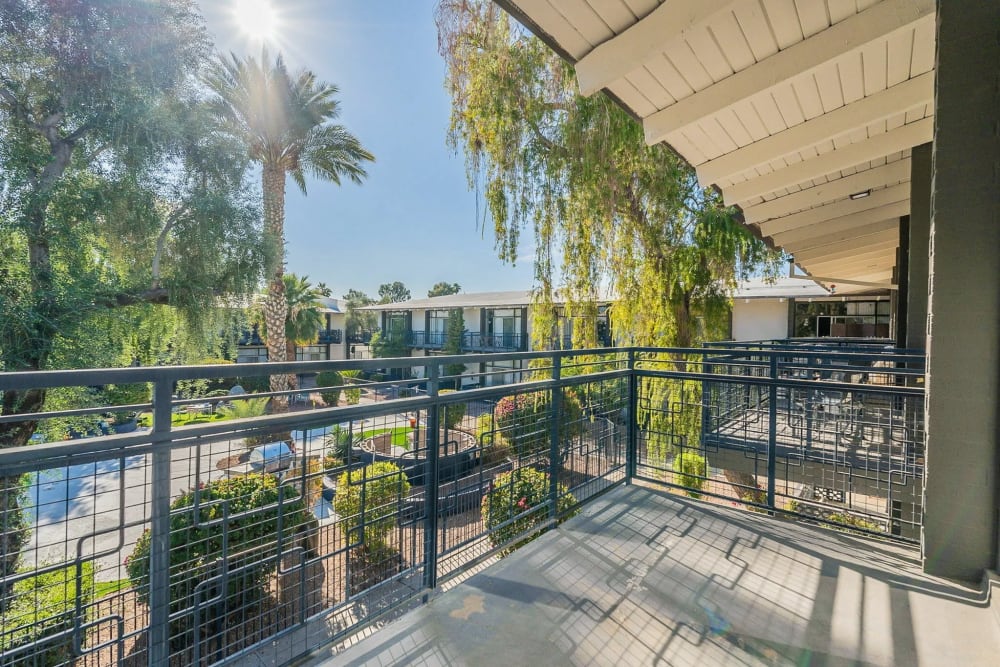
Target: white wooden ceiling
[{"x": 788, "y": 106}]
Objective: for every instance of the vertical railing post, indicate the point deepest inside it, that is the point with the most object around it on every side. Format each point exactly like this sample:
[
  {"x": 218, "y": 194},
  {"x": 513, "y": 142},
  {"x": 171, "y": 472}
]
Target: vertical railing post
[
  {"x": 431, "y": 477},
  {"x": 632, "y": 446},
  {"x": 159, "y": 544},
  {"x": 556, "y": 412},
  {"x": 772, "y": 427}
]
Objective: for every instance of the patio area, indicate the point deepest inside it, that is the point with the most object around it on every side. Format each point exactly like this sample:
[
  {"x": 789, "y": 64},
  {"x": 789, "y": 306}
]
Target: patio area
[{"x": 643, "y": 576}]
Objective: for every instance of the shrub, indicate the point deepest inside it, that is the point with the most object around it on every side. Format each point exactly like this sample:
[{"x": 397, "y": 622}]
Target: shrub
[
  {"x": 525, "y": 421},
  {"x": 521, "y": 493},
  {"x": 42, "y": 606},
  {"x": 495, "y": 447},
  {"x": 196, "y": 543},
  {"x": 690, "y": 471},
  {"x": 254, "y": 384},
  {"x": 245, "y": 408},
  {"x": 338, "y": 444},
  {"x": 329, "y": 384},
  {"x": 451, "y": 415},
  {"x": 353, "y": 392},
  {"x": 380, "y": 486}
]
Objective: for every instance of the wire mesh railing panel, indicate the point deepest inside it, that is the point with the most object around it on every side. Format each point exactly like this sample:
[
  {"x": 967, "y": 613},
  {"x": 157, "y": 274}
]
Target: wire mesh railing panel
[{"x": 206, "y": 519}]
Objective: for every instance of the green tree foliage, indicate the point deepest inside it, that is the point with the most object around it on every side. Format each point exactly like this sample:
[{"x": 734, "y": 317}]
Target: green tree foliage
[
  {"x": 358, "y": 322},
  {"x": 690, "y": 470},
  {"x": 284, "y": 122},
  {"x": 197, "y": 538},
  {"x": 42, "y": 612},
  {"x": 451, "y": 415},
  {"x": 444, "y": 289},
  {"x": 118, "y": 194},
  {"x": 352, "y": 392},
  {"x": 520, "y": 497},
  {"x": 390, "y": 344},
  {"x": 393, "y": 292}
]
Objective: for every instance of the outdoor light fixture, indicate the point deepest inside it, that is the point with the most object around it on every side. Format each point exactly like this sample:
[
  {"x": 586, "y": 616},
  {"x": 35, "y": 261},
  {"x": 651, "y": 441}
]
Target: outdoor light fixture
[{"x": 860, "y": 195}]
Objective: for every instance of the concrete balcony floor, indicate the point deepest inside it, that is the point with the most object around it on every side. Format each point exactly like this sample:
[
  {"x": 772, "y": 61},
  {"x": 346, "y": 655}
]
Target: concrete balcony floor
[{"x": 642, "y": 577}]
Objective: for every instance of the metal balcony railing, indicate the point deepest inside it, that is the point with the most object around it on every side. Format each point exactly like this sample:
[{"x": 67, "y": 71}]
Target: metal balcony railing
[
  {"x": 330, "y": 336},
  {"x": 203, "y": 537}
]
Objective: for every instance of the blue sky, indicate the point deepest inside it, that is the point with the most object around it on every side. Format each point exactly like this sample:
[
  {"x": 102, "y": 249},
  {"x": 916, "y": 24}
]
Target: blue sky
[{"x": 414, "y": 220}]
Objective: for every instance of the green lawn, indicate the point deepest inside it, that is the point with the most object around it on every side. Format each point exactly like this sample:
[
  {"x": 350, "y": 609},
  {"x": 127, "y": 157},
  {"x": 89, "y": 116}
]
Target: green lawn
[{"x": 399, "y": 434}]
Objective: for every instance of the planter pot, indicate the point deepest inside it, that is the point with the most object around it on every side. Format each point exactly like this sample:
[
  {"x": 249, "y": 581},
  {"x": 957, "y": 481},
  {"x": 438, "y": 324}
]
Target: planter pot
[{"x": 126, "y": 427}]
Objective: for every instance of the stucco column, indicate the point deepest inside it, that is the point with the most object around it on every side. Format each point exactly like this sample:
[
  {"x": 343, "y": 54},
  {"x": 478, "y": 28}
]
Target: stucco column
[
  {"x": 963, "y": 377},
  {"x": 918, "y": 235}
]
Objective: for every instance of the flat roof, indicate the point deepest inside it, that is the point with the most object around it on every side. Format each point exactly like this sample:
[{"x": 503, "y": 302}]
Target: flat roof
[{"x": 788, "y": 288}]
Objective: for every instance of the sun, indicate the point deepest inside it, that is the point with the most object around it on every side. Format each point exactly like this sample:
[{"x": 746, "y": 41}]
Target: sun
[{"x": 256, "y": 19}]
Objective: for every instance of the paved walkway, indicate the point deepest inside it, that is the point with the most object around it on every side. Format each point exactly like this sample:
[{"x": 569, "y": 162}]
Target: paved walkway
[{"x": 644, "y": 577}]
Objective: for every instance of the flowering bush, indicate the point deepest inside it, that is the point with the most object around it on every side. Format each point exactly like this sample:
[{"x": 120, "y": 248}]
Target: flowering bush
[
  {"x": 525, "y": 421},
  {"x": 520, "y": 498}
]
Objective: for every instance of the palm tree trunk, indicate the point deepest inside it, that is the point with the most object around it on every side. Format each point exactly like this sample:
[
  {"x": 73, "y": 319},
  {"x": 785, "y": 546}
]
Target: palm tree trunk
[{"x": 275, "y": 306}]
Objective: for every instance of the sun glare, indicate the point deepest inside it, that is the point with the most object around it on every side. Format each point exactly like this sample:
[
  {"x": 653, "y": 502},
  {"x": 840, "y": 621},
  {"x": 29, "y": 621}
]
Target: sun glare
[{"x": 256, "y": 19}]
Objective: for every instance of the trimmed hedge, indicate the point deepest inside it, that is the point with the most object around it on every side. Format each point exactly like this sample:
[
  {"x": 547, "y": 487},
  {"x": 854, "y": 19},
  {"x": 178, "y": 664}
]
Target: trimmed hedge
[
  {"x": 329, "y": 385},
  {"x": 382, "y": 487},
  {"x": 43, "y": 606}
]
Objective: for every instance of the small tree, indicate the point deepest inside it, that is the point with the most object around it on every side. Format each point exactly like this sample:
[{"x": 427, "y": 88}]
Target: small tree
[
  {"x": 454, "y": 333},
  {"x": 390, "y": 344},
  {"x": 330, "y": 383},
  {"x": 358, "y": 322},
  {"x": 353, "y": 392},
  {"x": 520, "y": 497}
]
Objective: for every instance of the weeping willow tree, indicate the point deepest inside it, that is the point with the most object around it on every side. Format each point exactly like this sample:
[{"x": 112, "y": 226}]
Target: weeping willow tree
[{"x": 605, "y": 210}]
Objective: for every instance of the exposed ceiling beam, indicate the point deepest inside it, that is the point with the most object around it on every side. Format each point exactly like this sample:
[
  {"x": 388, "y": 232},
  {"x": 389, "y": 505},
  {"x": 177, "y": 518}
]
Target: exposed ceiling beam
[
  {"x": 848, "y": 247},
  {"x": 824, "y": 254},
  {"x": 847, "y": 226},
  {"x": 892, "y": 173},
  {"x": 880, "y": 145},
  {"x": 818, "y": 240},
  {"x": 876, "y": 261},
  {"x": 841, "y": 281},
  {"x": 916, "y": 92},
  {"x": 839, "y": 209},
  {"x": 876, "y": 22},
  {"x": 628, "y": 50}
]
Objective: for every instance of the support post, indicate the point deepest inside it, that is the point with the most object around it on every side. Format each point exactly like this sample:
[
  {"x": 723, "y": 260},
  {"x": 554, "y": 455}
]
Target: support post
[
  {"x": 632, "y": 446},
  {"x": 431, "y": 480},
  {"x": 772, "y": 427},
  {"x": 556, "y": 410},
  {"x": 159, "y": 543}
]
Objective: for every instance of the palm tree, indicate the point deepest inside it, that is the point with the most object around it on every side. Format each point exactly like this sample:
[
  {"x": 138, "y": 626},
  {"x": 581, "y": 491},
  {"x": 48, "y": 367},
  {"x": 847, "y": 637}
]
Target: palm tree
[
  {"x": 285, "y": 122},
  {"x": 303, "y": 318}
]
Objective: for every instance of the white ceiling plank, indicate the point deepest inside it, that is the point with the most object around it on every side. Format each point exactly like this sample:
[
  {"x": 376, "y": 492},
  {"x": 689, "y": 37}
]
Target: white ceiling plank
[
  {"x": 924, "y": 41},
  {"x": 843, "y": 224},
  {"x": 582, "y": 16},
  {"x": 841, "y": 9},
  {"x": 641, "y": 7},
  {"x": 900, "y": 55},
  {"x": 812, "y": 16},
  {"x": 878, "y": 226},
  {"x": 707, "y": 51},
  {"x": 873, "y": 24},
  {"x": 731, "y": 40},
  {"x": 668, "y": 76},
  {"x": 788, "y": 105},
  {"x": 552, "y": 22},
  {"x": 909, "y": 94},
  {"x": 890, "y": 174},
  {"x": 620, "y": 55},
  {"x": 851, "y": 73},
  {"x": 614, "y": 13},
  {"x": 846, "y": 248},
  {"x": 875, "y": 261},
  {"x": 688, "y": 64},
  {"x": 874, "y": 57},
  {"x": 907, "y": 136},
  {"x": 784, "y": 21},
  {"x": 753, "y": 24},
  {"x": 828, "y": 81}
]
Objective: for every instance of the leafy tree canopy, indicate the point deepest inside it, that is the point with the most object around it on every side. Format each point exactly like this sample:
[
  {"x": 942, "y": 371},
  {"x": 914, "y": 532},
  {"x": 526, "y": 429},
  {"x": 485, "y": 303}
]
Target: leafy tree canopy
[
  {"x": 117, "y": 190},
  {"x": 393, "y": 292},
  {"x": 444, "y": 289},
  {"x": 358, "y": 321},
  {"x": 604, "y": 209}
]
